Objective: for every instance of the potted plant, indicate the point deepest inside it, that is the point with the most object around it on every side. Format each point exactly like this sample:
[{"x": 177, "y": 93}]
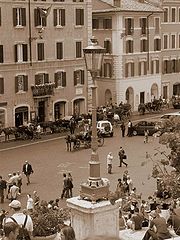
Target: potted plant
[{"x": 46, "y": 221}]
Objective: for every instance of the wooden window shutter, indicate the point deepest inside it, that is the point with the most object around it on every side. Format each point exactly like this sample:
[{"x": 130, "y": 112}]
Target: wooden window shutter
[
  {"x": 152, "y": 67},
  {"x": 25, "y": 52},
  {"x": 63, "y": 79},
  {"x": 15, "y": 53},
  {"x": 141, "y": 45},
  {"x": 132, "y": 24},
  {"x": 16, "y": 84},
  {"x": 132, "y": 46},
  {"x": 46, "y": 78},
  {"x": 157, "y": 66},
  {"x": 59, "y": 50},
  {"x": 24, "y": 16},
  {"x": 0, "y": 16},
  {"x": 127, "y": 46},
  {"x": 105, "y": 45},
  {"x": 1, "y": 54},
  {"x": 37, "y": 79},
  {"x": 126, "y": 69},
  {"x": 145, "y": 68},
  {"x": 26, "y": 83},
  {"x": 55, "y": 79},
  {"x": 132, "y": 69},
  {"x": 139, "y": 68},
  {"x": 178, "y": 65},
  {"x": 63, "y": 17},
  {"x": 126, "y": 26},
  {"x": 75, "y": 78},
  {"x": 82, "y": 77},
  {"x": 110, "y": 70},
  {"x": 77, "y": 16},
  {"x": 55, "y": 17},
  {"x": 44, "y": 21},
  {"x": 1, "y": 85},
  {"x": 14, "y": 17},
  {"x": 36, "y": 17},
  {"x": 82, "y": 16}
]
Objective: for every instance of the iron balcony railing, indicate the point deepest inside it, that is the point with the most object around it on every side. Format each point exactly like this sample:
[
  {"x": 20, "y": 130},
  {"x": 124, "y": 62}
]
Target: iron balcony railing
[{"x": 46, "y": 89}]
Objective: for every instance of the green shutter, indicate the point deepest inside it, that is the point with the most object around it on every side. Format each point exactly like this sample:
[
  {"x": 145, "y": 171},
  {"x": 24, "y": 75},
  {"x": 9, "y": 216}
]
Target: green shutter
[
  {"x": 46, "y": 78},
  {"x": 14, "y": 17},
  {"x": 82, "y": 77},
  {"x": 63, "y": 79},
  {"x": 25, "y": 52},
  {"x": 36, "y": 17},
  {"x": 15, "y": 53},
  {"x": 16, "y": 84},
  {"x": 24, "y": 16},
  {"x": 75, "y": 78},
  {"x": 1, "y": 54},
  {"x": 63, "y": 17},
  {"x": 55, "y": 17},
  {"x": 1, "y": 85},
  {"x": 55, "y": 79},
  {"x": 26, "y": 83}
]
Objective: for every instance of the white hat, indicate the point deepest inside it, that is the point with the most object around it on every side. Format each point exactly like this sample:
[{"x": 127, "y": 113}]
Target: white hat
[{"x": 15, "y": 204}]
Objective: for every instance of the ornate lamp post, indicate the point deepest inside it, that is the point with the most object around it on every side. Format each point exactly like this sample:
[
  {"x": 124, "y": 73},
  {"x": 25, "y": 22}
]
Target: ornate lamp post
[{"x": 94, "y": 189}]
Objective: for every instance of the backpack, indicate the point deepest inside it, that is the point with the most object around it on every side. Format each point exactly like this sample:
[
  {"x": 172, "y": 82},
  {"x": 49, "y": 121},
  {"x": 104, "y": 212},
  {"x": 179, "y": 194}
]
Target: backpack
[{"x": 23, "y": 232}]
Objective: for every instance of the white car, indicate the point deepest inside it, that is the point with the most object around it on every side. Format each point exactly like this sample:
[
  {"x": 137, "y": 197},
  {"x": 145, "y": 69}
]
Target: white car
[{"x": 105, "y": 128}]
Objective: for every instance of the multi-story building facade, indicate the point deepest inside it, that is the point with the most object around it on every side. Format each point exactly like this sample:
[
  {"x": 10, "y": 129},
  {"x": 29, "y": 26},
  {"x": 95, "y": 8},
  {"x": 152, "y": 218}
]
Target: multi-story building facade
[
  {"x": 130, "y": 30},
  {"x": 42, "y": 69},
  {"x": 170, "y": 48}
]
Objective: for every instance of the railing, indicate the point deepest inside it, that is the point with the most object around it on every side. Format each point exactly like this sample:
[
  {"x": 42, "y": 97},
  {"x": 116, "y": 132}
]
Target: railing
[{"x": 46, "y": 89}]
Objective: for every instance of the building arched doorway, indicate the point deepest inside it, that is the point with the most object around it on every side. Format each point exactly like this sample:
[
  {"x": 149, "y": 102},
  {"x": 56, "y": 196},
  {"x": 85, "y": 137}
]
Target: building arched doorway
[
  {"x": 129, "y": 96},
  {"x": 154, "y": 91},
  {"x": 108, "y": 97},
  {"x": 21, "y": 115},
  {"x": 78, "y": 106},
  {"x": 59, "y": 110},
  {"x": 176, "y": 89}
]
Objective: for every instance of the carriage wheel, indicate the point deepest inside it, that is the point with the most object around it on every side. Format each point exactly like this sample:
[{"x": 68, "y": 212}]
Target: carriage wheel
[{"x": 100, "y": 141}]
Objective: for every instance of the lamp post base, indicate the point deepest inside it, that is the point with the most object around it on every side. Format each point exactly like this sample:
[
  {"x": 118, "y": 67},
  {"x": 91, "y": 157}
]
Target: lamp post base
[{"x": 95, "y": 190}]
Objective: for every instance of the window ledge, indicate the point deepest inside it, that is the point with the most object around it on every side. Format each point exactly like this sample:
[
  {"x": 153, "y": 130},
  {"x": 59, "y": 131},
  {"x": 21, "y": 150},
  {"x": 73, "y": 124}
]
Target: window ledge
[
  {"x": 59, "y": 27},
  {"x": 79, "y": 26},
  {"x": 21, "y": 92},
  {"x": 19, "y": 27},
  {"x": 60, "y": 87}
]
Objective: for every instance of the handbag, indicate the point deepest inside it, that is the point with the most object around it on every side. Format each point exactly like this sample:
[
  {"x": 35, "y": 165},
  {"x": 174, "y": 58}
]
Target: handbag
[{"x": 124, "y": 156}]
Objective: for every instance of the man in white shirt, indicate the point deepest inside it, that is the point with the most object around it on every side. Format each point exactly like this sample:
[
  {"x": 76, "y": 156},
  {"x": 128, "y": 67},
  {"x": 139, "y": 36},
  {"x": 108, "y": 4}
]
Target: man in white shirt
[
  {"x": 14, "y": 191},
  {"x": 20, "y": 217}
]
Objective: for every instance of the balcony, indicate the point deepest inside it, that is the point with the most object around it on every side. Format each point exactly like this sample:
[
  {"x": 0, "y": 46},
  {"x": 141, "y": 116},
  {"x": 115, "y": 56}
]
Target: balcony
[{"x": 43, "y": 90}]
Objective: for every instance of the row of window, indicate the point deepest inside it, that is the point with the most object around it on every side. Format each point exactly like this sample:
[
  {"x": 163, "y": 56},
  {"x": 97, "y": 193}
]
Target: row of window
[
  {"x": 168, "y": 66},
  {"x": 143, "y": 45},
  {"x": 21, "y": 81},
  {"x": 172, "y": 14},
  {"x": 59, "y": 17},
  {"x": 21, "y": 51},
  {"x": 98, "y": 23}
]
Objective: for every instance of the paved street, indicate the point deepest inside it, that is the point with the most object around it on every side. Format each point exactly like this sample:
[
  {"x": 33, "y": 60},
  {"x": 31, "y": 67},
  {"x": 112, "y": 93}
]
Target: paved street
[{"x": 50, "y": 159}]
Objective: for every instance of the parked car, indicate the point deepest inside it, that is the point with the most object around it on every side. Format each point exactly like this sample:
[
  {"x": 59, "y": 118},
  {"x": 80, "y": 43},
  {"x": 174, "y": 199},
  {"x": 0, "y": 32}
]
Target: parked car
[
  {"x": 105, "y": 128},
  {"x": 140, "y": 127}
]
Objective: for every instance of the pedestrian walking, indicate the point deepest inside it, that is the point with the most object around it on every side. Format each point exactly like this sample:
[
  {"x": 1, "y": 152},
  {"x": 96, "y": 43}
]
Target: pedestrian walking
[
  {"x": 11, "y": 231},
  {"x": 146, "y": 136},
  {"x": 27, "y": 170},
  {"x": 3, "y": 186},
  {"x": 70, "y": 185},
  {"x": 109, "y": 162},
  {"x": 38, "y": 131},
  {"x": 123, "y": 129},
  {"x": 65, "y": 190},
  {"x": 13, "y": 192},
  {"x": 122, "y": 156},
  {"x": 19, "y": 181},
  {"x": 129, "y": 134},
  {"x": 72, "y": 125},
  {"x": 30, "y": 203}
]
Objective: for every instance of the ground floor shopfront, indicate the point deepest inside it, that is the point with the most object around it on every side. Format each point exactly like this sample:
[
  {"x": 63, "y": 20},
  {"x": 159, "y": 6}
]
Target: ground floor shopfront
[{"x": 42, "y": 109}]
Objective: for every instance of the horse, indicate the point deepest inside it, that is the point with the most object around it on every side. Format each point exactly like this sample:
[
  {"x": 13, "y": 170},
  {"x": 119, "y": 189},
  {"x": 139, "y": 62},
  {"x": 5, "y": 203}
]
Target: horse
[
  {"x": 7, "y": 132},
  {"x": 72, "y": 138}
]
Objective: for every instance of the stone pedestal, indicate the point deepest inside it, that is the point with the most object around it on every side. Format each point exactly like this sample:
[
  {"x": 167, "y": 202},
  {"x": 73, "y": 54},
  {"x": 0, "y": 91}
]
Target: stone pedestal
[{"x": 101, "y": 218}]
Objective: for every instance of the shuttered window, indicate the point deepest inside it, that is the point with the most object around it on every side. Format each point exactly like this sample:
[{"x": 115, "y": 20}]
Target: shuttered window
[
  {"x": 129, "y": 46},
  {"x": 60, "y": 79},
  {"x": 41, "y": 78},
  {"x": 144, "y": 45},
  {"x": 165, "y": 41},
  {"x": 129, "y": 26},
  {"x": 173, "y": 15},
  {"x": 1, "y": 54},
  {"x": 59, "y": 17},
  {"x": 143, "y": 25},
  {"x": 157, "y": 44},
  {"x": 107, "y": 23},
  {"x": 40, "y": 51},
  {"x": 21, "y": 53},
  {"x": 166, "y": 14},
  {"x": 173, "y": 41},
  {"x": 95, "y": 23},
  {"x": 129, "y": 69},
  {"x": 1, "y": 85},
  {"x": 78, "y": 77},
  {"x": 78, "y": 49},
  {"x": 21, "y": 83},
  {"x": 79, "y": 17},
  {"x": 59, "y": 50},
  {"x": 157, "y": 66},
  {"x": 107, "y": 70},
  {"x": 39, "y": 20},
  {"x": 19, "y": 16},
  {"x": 107, "y": 46},
  {"x": 157, "y": 25}
]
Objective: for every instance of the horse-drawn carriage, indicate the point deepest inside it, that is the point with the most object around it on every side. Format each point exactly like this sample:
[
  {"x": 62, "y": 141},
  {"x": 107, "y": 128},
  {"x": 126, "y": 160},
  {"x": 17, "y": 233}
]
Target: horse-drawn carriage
[
  {"x": 82, "y": 139},
  {"x": 154, "y": 106}
]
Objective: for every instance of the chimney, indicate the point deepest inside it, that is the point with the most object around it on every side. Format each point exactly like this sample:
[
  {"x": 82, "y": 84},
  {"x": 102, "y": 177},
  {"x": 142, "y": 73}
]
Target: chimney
[{"x": 117, "y": 3}]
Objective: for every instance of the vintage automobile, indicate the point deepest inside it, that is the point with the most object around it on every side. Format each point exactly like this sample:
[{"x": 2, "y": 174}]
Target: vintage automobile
[
  {"x": 105, "y": 128},
  {"x": 140, "y": 127}
]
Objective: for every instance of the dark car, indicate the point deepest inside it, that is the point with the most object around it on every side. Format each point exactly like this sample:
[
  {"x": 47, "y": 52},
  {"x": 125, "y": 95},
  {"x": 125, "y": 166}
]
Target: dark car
[{"x": 140, "y": 127}]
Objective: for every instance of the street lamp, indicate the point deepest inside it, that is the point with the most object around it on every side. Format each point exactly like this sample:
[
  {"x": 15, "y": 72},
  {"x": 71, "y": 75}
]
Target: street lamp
[{"x": 95, "y": 188}]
